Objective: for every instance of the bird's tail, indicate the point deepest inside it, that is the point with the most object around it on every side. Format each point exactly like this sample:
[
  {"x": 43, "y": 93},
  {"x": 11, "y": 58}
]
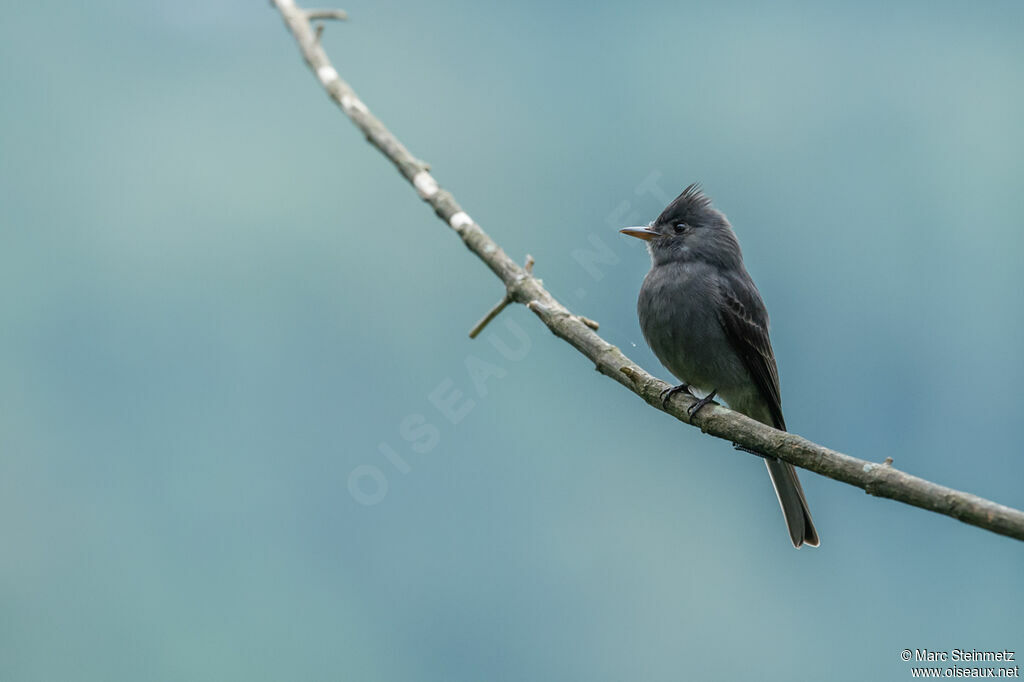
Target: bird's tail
[{"x": 793, "y": 503}]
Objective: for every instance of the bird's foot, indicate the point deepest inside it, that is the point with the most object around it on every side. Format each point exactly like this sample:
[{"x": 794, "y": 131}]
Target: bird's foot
[
  {"x": 709, "y": 398},
  {"x": 667, "y": 394},
  {"x": 744, "y": 448}
]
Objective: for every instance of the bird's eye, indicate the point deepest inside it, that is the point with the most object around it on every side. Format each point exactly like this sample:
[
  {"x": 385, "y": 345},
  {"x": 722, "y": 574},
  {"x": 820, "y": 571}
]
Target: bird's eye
[{"x": 681, "y": 227}]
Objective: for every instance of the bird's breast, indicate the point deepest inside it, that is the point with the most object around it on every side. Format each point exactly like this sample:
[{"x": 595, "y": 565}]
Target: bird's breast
[{"x": 678, "y": 310}]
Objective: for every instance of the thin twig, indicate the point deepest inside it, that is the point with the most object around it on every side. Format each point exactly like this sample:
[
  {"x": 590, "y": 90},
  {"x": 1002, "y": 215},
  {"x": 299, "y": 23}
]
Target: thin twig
[
  {"x": 335, "y": 14},
  {"x": 882, "y": 480},
  {"x": 491, "y": 314}
]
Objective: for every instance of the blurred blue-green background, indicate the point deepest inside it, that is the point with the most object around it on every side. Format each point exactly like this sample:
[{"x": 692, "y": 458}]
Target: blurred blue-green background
[{"x": 223, "y": 316}]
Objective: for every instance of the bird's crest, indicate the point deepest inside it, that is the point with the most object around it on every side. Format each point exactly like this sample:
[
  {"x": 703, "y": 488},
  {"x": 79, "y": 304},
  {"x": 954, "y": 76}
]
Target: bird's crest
[{"x": 691, "y": 200}]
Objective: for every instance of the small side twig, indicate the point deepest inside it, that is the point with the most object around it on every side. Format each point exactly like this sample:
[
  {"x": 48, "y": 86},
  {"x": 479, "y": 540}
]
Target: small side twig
[
  {"x": 486, "y": 320},
  {"x": 501, "y": 305},
  {"x": 335, "y": 14}
]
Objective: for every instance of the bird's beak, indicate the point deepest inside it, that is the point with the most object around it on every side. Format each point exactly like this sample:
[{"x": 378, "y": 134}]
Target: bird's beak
[{"x": 645, "y": 233}]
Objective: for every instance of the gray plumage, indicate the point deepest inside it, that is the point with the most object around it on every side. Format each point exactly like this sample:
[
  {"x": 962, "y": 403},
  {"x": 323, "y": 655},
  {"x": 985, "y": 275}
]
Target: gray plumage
[{"x": 703, "y": 317}]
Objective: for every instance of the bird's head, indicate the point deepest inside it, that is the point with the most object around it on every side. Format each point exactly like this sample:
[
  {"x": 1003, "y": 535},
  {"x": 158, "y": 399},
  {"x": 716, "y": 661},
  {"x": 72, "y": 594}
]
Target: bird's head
[{"x": 690, "y": 229}]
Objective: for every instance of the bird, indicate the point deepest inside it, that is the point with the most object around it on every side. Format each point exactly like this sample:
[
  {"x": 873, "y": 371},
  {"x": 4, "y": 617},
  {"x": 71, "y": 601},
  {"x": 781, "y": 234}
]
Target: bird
[{"x": 704, "y": 319}]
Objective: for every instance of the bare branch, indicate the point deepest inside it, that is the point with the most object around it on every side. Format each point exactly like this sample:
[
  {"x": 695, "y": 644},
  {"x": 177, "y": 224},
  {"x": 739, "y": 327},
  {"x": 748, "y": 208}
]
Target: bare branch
[{"x": 882, "y": 480}]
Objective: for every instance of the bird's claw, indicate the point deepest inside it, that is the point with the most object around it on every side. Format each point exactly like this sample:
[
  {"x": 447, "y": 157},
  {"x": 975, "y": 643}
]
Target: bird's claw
[
  {"x": 667, "y": 394},
  {"x": 709, "y": 398}
]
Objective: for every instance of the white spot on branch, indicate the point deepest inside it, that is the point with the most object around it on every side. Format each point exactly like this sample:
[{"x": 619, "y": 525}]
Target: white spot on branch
[
  {"x": 425, "y": 184},
  {"x": 459, "y": 220},
  {"x": 350, "y": 104},
  {"x": 327, "y": 74}
]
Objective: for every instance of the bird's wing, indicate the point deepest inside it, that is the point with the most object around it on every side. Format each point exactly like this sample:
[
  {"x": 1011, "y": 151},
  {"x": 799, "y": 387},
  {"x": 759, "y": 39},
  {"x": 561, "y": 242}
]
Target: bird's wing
[{"x": 745, "y": 321}]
